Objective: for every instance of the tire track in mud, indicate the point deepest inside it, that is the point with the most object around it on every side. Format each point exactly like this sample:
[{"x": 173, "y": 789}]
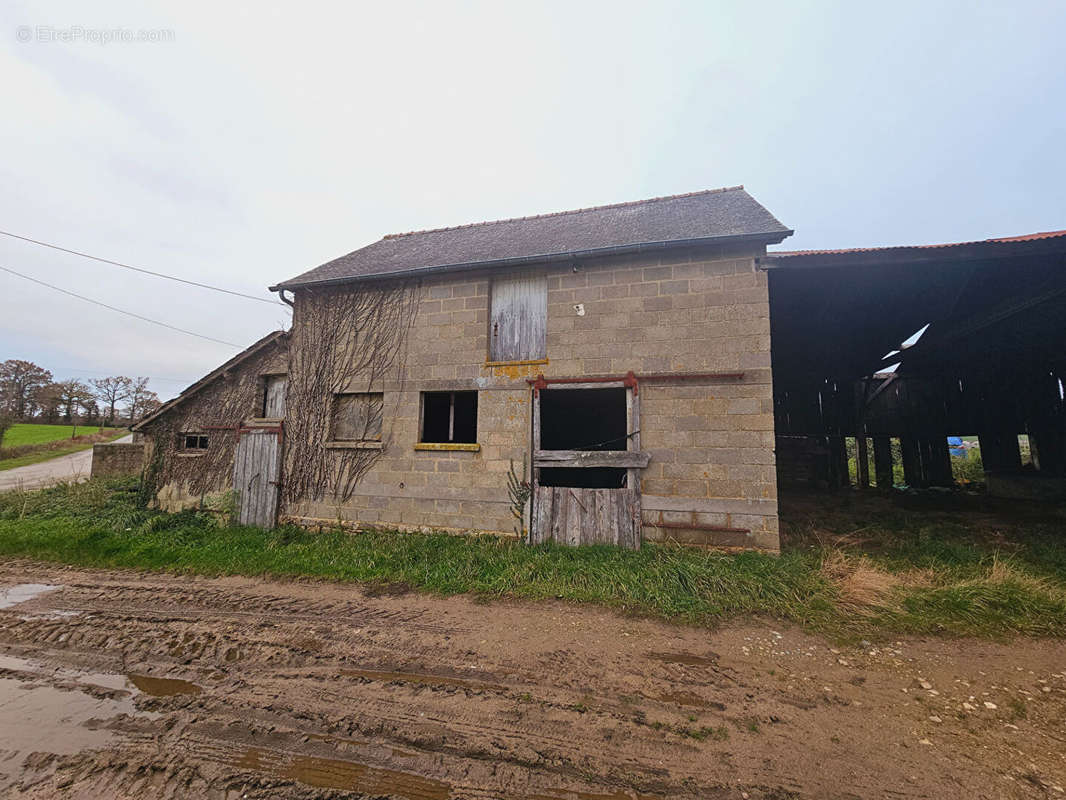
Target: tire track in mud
[{"x": 320, "y": 690}]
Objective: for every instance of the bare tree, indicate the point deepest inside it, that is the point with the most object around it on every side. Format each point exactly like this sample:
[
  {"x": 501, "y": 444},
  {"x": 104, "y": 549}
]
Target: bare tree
[
  {"x": 45, "y": 402},
  {"x": 111, "y": 391},
  {"x": 72, "y": 395},
  {"x": 142, "y": 400},
  {"x": 18, "y": 381}
]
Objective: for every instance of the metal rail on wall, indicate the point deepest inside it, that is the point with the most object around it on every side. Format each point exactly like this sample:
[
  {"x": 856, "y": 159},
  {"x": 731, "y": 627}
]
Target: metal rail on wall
[{"x": 632, "y": 381}]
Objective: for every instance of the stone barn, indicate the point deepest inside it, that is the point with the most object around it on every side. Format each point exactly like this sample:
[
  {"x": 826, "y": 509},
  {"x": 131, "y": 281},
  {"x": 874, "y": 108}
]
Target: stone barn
[
  {"x": 591, "y": 376},
  {"x": 192, "y": 442}
]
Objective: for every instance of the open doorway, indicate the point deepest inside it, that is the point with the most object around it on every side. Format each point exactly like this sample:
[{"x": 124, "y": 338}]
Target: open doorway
[{"x": 586, "y": 420}]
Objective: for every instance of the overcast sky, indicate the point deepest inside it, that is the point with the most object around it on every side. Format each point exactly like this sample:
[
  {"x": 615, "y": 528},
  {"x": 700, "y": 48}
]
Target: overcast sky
[{"x": 251, "y": 145}]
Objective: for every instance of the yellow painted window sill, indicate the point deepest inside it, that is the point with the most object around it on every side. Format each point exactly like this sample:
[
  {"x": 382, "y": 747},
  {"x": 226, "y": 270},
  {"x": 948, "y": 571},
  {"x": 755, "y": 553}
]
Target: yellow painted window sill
[
  {"x": 191, "y": 455},
  {"x": 439, "y": 446},
  {"x": 516, "y": 363},
  {"x": 354, "y": 445}
]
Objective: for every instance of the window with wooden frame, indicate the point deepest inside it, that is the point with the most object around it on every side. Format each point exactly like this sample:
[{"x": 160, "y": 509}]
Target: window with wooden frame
[
  {"x": 192, "y": 442},
  {"x": 449, "y": 418},
  {"x": 357, "y": 417},
  {"x": 518, "y": 319}
]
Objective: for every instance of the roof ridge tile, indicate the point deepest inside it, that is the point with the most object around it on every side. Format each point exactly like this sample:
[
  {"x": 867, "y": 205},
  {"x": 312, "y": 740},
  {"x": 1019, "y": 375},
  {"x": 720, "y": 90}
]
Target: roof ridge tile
[{"x": 566, "y": 213}]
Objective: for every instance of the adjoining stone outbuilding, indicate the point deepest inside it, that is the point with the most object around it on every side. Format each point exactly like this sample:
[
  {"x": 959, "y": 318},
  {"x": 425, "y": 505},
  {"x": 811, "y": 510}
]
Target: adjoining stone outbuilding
[
  {"x": 191, "y": 441},
  {"x": 612, "y": 362}
]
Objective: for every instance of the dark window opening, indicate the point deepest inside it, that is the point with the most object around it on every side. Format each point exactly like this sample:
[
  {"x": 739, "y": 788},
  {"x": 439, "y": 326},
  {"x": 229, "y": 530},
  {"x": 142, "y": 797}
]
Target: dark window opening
[
  {"x": 357, "y": 417},
  {"x": 583, "y": 419},
  {"x": 449, "y": 417},
  {"x": 194, "y": 441},
  {"x": 584, "y": 477}
]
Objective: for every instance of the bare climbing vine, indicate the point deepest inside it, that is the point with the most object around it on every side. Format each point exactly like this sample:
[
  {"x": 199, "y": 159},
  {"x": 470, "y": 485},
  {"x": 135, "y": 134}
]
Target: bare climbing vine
[
  {"x": 217, "y": 411},
  {"x": 342, "y": 337}
]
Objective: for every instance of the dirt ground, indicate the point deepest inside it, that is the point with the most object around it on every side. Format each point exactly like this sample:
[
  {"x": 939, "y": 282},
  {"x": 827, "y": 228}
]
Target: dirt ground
[{"x": 123, "y": 685}]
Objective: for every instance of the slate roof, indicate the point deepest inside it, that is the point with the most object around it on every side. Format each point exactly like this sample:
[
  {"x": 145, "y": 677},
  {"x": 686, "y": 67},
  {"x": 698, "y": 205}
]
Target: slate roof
[{"x": 683, "y": 219}]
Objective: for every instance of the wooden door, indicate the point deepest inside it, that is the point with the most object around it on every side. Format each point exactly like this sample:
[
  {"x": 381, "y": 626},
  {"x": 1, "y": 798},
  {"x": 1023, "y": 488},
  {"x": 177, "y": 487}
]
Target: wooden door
[
  {"x": 580, "y": 516},
  {"x": 255, "y": 475},
  {"x": 573, "y": 516},
  {"x": 276, "y": 386},
  {"x": 518, "y": 318}
]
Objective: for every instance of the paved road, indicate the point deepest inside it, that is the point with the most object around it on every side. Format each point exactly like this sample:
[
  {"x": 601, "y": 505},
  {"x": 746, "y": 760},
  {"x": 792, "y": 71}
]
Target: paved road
[{"x": 73, "y": 467}]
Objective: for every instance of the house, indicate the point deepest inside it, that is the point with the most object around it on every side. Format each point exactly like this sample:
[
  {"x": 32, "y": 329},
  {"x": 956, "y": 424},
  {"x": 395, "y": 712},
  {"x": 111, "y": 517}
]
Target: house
[{"x": 616, "y": 359}]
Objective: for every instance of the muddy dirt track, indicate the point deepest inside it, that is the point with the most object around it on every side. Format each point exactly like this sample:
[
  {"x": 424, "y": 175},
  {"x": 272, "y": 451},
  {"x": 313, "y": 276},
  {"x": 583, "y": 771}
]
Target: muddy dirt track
[{"x": 122, "y": 685}]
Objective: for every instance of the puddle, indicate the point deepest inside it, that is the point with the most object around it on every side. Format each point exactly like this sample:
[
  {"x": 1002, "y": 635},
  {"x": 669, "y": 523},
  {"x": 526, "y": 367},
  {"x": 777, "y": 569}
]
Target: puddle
[
  {"x": 36, "y": 718},
  {"x": 414, "y": 677},
  {"x": 13, "y": 595},
  {"x": 330, "y": 773},
  {"x": 105, "y": 680},
  {"x": 687, "y": 659},
  {"x": 163, "y": 687},
  {"x": 147, "y": 684}
]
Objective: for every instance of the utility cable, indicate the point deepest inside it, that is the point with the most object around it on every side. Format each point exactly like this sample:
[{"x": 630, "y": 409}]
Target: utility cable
[{"x": 119, "y": 310}]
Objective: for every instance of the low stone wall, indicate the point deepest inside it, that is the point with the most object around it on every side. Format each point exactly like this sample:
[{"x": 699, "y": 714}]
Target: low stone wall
[{"x": 114, "y": 458}]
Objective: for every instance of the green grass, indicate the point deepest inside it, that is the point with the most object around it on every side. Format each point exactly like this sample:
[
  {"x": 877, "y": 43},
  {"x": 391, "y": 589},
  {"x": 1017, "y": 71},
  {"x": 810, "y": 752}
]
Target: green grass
[
  {"x": 27, "y": 454},
  {"x": 938, "y": 581},
  {"x": 23, "y": 433}
]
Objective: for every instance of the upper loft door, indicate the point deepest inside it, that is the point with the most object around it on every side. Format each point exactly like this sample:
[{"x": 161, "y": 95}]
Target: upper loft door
[
  {"x": 274, "y": 404},
  {"x": 518, "y": 318}
]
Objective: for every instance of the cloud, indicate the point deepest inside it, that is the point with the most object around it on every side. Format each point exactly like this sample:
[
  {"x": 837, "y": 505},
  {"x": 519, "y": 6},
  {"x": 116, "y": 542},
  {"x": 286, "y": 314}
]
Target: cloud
[{"x": 259, "y": 143}]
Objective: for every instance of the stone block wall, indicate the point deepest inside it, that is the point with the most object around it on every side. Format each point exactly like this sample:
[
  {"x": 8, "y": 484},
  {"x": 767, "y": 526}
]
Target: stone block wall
[
  {"x": 711, "y": 441},
  {"x": 113, "y": 459}
]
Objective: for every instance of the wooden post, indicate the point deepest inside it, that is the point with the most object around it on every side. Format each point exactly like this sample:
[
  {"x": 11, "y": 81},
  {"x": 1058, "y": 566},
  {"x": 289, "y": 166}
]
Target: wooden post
[
  {"x": 838, "y": 463},
  {"x": 912, "y": 462},
  {"x": 863, "y": 461},
  {"x": 940, "y": 462},
  {"x": 883, "y": 463},
  {"x": 1000, "y": 452}
]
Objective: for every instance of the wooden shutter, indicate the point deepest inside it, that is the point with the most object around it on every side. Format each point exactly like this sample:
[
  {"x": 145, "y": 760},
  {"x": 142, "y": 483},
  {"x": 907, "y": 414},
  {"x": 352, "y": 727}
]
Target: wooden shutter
[
  {"x": 276, "y": 386},
  {"x": 357, "y": 417},
  {"x": 518, "y": 320}
]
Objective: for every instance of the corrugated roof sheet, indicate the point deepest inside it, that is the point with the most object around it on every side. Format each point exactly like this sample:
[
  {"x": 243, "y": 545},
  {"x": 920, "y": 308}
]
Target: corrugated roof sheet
[
  {"x": 1028, "y": 237},
  {"x": 707, "y": 215}
]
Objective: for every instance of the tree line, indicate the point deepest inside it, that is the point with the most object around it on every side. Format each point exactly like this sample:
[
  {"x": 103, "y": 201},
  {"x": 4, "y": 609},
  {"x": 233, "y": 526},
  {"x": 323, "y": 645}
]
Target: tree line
[{"x": 30, "y": 393}]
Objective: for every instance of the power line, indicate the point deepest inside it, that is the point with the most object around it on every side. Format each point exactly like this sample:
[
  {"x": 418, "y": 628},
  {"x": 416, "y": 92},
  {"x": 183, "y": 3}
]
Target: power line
[
  {"x": 95, "y": 374},
  {"x": 119, "y": 310},
  {"x": 142, "y": 270}
]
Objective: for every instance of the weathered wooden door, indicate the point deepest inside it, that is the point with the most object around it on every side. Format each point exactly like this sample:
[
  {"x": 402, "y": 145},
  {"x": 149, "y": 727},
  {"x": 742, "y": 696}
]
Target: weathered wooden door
[
  {"x": 577, "y": 515},
  {"x": 255, "y": 475},
  {"x": 568, "y": 515},
  {"x": 274, "y": 406},
  {"x": 518, "y": 318}
]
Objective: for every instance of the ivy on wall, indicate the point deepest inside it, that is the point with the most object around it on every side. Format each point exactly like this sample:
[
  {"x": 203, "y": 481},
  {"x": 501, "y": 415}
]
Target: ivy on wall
[{"x": 342, "y": 337}]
